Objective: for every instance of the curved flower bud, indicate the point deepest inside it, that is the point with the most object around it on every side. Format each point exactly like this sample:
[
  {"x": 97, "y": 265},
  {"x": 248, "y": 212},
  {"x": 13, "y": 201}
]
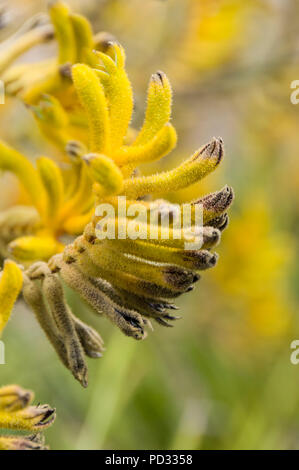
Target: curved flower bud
[
  {"x": 15, "y": 162},
  {"x": 11, "y": 280},
  {"x": 104, "y": 172},
  {"x": 16, "y": 414},
  {"x": 64, "y": 33},
  {"x": 33, "y": 248},
  {"x": 53, "y": 183},
  {"x": 203, "y": 162},
  {"x": 158, "y": 111},
  {"x": 92, "y": 97},
  {"x": 32, "y": 418}
]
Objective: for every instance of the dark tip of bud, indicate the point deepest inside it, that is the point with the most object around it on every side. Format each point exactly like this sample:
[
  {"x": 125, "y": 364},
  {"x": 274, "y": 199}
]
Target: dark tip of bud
[
  {"x": 220, "y": 222},
  {"x": 131, "y": 320},
  {"x": 214, "y": 237},
  {"x": 196, "y": 278},
  {"x": 172, "y": 317},
  {"x": 217, "y": 149},
  {"x": 173, "y": 307},
  {"x": 49, "y": 33},
  {"x": 227, "y": 195},
  {"x": 159, "y": 77},
  {"x": 177, "y": 277},
  {"x": 75, "y": 149},
  {"x": 90, "y": 238},
  {"x": 95, "y": 354},
  {"x": 47, "y": 415},
  {"x": 163, "y": 322},
  {"x": 65, "y": 70},
  {"x": 190, "y": 288},
  {"x": 213, "y": 260},
  {"x": 103, "y": 41},
  {"x": 224, "y": 223},
  {"x": 214, "y": 148},
  {"x": 210, "y": 150},
  {"x": 218, "y": 201},
  {"x": 158, "y": 307}
]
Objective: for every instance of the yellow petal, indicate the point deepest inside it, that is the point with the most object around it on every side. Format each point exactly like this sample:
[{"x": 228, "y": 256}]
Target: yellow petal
[
  {"x": 11, "y": 160},
  {"x": 50, "y": 111},
  {"x": 59, "y": 13},
  {"x": 53, "y": 182},
  {"x": 203, "y": 162},
  {"x": 119, "y": 94},
  {"x": 75, "y": 225},
  {"x": 153, "y": 150},
  {"x": 11, "y": 281},
  {"x": 104, "y": 172},
  {"x": 34, "y": 248},
  {"x": 83, "y": 36},
  {"x": 92, "y": 97},
  {"x": 158, "y": 109}
]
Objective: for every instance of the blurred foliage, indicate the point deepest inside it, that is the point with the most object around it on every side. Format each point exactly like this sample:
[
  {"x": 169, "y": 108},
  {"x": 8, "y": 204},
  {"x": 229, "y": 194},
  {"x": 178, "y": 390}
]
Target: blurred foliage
[{"x": 223, "y": 378}]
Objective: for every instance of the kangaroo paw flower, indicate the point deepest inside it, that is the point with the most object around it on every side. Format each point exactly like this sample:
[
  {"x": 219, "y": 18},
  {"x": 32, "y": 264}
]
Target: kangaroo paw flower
[
  {"x": 82, "y": 101},
  {"x": 17, "y": 414}
]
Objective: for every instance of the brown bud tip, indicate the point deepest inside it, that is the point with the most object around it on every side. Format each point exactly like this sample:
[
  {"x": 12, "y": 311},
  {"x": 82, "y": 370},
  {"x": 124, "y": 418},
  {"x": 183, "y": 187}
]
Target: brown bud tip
[
  {"x": 82, "y": 376},
  {"x": 103, "y": 41},
  {"x": 213, "y": 149},
  {"x": 178, "y": 278},
  {"x": 75, "y": 149},
  {"x": 65, "y": 70},
  {"x": 159, "y": 77},
  {"x": 48, "y": 33},
  {"x": 39, "y": 416},
  {"x": 216, "y": 149},
  {"x": 218, "y": 201}
]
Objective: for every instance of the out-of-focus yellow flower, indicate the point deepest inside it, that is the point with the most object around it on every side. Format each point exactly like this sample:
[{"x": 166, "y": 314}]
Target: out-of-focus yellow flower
[
  {"x": 214, "y": 32},
  {"x": 253, "y": 271}
]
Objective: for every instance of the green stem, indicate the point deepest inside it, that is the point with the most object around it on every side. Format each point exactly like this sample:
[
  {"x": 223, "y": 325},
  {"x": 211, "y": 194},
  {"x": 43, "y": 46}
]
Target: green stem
[{"x": 108, "y": 391}]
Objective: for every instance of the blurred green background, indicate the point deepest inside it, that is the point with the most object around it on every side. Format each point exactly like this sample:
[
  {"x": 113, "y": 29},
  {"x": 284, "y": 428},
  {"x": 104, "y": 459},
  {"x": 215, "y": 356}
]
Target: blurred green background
[{"x": 222, "y": 378}]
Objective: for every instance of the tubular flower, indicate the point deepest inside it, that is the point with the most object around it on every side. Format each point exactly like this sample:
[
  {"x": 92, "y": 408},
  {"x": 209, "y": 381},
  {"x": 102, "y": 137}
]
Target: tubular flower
[
  {"x": 17, "y": 413},
  {"x": 130, "y": 280}
]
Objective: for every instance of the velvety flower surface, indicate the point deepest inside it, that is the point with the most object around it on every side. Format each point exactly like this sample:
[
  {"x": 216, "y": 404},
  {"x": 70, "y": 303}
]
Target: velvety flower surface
[{"x": 83, "y": 102}]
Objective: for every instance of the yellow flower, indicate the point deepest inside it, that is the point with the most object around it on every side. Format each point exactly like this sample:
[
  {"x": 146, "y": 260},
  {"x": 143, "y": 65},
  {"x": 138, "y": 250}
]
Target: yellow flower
[
  {"x": 128, "y": 281},
  {"x": 17, "y": 414},
  {"x": 256, "y": 283}
]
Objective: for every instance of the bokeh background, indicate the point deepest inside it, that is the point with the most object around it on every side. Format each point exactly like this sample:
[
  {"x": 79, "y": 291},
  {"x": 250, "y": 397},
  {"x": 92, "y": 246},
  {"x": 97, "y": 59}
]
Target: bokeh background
[{"x": 222, "y": 378}]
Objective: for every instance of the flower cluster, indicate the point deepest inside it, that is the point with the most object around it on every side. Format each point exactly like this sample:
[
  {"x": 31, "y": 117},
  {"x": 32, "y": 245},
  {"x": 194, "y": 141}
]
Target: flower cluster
[
  {"x": 17, "y": 414},
  {"x": 83, "y": 102}
]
